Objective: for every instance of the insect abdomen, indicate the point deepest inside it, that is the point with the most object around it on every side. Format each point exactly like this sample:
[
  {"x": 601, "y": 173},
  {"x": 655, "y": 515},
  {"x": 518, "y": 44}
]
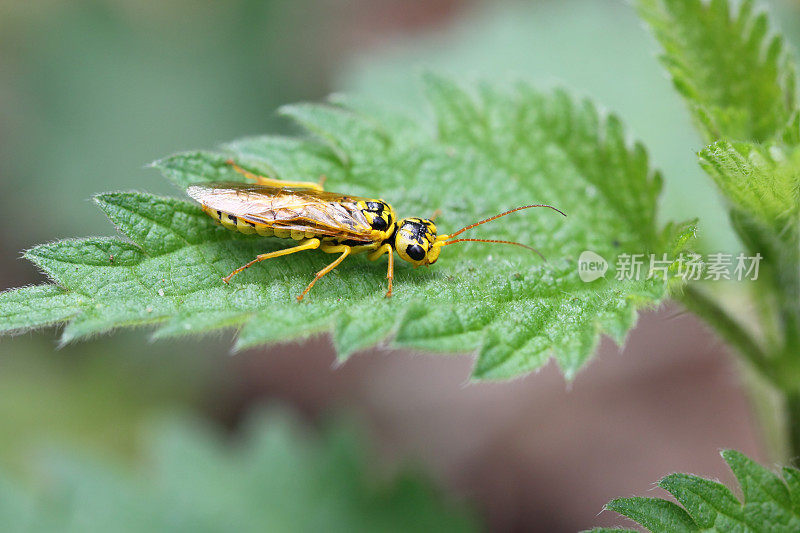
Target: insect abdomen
[
  {"x": 236, "y": 223},
  {"x": 242, "y": 225}
]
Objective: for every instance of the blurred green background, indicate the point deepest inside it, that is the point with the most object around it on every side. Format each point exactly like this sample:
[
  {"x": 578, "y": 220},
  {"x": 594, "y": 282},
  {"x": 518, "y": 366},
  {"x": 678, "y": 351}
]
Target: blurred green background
[{"x": 91, "y": 91}]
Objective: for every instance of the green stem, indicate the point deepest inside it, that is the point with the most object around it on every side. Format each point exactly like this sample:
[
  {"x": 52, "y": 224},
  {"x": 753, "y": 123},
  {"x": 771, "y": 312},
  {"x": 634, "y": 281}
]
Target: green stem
[
  {"x": 729, "y": 328},
  {"x": 793, "y": 416},
  {"x": 770, "y": 409},
  {"x": 790, "y": 358},
  {"x": 776, "y": 408}
]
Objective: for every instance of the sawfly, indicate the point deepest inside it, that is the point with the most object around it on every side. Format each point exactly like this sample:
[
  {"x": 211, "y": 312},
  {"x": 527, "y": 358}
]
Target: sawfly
[{"x": 332, "y": 222}]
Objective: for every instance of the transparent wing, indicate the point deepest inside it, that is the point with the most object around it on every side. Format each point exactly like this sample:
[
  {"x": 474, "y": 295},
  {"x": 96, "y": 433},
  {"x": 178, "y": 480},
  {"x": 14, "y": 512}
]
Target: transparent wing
[{"x": 323, "y": 213}]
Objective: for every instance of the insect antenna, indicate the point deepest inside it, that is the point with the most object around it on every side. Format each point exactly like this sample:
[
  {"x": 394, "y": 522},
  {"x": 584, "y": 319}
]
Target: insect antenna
[
  {"x": 449, "y": 238},
  {"x": 484, "y": 221},
  {"x": 502, "y": 242}
]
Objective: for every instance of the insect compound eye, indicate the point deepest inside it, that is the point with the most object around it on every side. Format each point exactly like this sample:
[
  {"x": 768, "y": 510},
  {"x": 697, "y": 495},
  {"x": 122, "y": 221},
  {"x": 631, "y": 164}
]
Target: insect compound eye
[{"x": 415, "y": 252}]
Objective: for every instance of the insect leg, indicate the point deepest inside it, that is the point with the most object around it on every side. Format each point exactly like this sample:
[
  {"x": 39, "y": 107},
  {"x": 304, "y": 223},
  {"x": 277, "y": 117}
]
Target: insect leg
[
  {"x": 310, "y": 244},
  {"x": 269, "y": 182},
  {"x": 385, "y": 249},
  {"x": 390, "y": 274},
  {"x": 345, "y": 252}
]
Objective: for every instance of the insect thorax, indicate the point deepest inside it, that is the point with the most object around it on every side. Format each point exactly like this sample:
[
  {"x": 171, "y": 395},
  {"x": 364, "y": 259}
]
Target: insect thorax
[
  {"x": 381, "y": 218},
  {"x": 380, "y": 215}
]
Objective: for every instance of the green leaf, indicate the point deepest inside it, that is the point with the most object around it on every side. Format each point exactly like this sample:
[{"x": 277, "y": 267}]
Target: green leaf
[
  {"x": 770, "y": 503},
  {"x": 28, "y": 307},
  {"x": 275, "y": 478},
  {"x": 761, "y": 180},
  {"x": 762, "y": 185},
  {"x": 658, "y": 516},
  {"x": 735, "y": 73},
  {"x": 484, "y": 152}
]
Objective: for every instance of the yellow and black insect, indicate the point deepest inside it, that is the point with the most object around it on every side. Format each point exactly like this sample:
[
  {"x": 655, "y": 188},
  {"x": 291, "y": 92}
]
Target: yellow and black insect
[{"x": 334, "y": 223}]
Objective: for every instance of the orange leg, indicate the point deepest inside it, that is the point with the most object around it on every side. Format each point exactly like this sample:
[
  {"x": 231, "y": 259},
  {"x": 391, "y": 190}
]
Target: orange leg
[
  {"x": 270, "y": 182},
  {"x": 345, "y": 253},
  {"x": 310, "y": 244}
]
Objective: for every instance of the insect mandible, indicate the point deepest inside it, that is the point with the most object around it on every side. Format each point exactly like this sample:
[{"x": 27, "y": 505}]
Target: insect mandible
[{"x": 331, "y": 222}]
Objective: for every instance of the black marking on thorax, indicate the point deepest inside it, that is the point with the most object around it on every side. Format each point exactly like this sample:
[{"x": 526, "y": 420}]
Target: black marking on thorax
[
  {"x": 417, "y": 231},
  {"x": 381, "y": 220}
]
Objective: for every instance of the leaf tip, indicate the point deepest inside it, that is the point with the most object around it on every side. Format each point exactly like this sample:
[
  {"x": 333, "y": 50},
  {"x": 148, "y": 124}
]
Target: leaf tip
[
  {"x": 103, "y": 199},
  {"x": 617, "y": 504},
  {"x": 341, "y": 357},
  {"x": 239, "y": 346},
  {"x": 66, "y": 338},
  {"x": 290, "y": 110},
  {"x": 730, "y": 455}
]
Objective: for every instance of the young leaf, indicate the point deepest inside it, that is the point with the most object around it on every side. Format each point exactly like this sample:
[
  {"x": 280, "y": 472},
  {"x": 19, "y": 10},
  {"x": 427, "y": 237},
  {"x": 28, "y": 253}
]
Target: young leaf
[
  {"x": 736, "y": 75},
  {"x": 275, "y": 479},
  {"x": 761, "y": 180},
  {"x": 483, "y": 154},
  {"x": 769, "y": 502},
  {"x": 762, "y": 184}
]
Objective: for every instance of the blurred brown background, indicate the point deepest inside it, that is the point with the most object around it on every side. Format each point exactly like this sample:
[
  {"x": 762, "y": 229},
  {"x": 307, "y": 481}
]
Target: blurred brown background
[{"x": 90, "y": 91}]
